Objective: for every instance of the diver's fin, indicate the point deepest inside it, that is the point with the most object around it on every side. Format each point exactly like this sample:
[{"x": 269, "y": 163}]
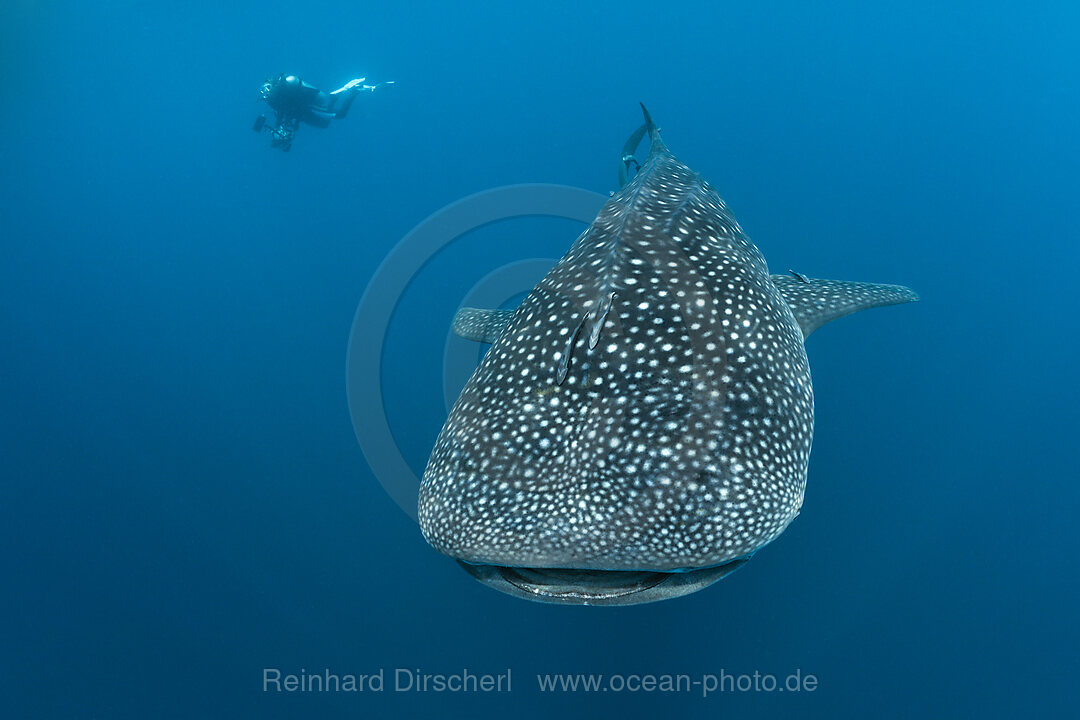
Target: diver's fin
[
  {"x": 816, "y": 302},
  {"x": 372, "y": 88},
  {"x": 481, "y": 325},
  {"x": 349, "y": 85}
]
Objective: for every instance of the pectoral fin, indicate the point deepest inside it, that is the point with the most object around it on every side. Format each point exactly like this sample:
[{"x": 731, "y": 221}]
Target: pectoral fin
[
  {"x": 481, "y": 325},
  {"x": 816, "y": 302}
]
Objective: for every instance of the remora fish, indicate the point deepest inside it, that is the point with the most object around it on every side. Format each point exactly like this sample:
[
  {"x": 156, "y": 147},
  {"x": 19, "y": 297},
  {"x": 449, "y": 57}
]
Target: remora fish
[{"x": 641, "y": 425}]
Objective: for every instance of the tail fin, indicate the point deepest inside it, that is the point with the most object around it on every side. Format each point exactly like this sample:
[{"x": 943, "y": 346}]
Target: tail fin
[
  {"x": 627, "y": 157},
  {"x": 656, "y": 144}
]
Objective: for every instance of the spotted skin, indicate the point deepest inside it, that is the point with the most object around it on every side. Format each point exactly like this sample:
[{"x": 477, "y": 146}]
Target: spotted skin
[
  {"x": 815, "y": 302},
  {"x": 812, "y": 301},
  {"x": 481, "y": 325},
  {"x": 647, "y": 407}
]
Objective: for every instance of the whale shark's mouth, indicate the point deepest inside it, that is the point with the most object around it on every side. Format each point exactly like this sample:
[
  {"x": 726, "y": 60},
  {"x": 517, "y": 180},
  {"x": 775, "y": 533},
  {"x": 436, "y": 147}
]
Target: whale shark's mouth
[{"x": 566, "y": 586}]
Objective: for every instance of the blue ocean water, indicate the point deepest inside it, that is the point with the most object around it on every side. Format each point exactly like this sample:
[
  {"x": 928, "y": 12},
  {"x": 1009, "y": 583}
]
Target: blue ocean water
[{"x": 184, "y": 503}]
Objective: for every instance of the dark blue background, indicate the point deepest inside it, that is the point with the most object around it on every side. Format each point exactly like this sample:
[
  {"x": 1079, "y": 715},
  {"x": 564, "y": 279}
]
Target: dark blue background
[{"x": 184, "y": 502}]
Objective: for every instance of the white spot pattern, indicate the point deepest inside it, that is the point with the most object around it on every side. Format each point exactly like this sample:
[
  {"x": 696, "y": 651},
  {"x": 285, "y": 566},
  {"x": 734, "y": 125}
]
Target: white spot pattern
[{"x": 669, "y": 431}]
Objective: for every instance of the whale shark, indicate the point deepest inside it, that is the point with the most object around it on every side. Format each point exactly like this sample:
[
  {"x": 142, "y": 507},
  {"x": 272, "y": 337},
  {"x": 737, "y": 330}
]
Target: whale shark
[{"x": 641, "y": 425}]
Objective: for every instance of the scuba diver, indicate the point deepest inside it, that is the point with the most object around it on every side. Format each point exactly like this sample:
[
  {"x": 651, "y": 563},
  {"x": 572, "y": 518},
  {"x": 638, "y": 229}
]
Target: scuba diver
[{"x": 295, "y": 101}]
